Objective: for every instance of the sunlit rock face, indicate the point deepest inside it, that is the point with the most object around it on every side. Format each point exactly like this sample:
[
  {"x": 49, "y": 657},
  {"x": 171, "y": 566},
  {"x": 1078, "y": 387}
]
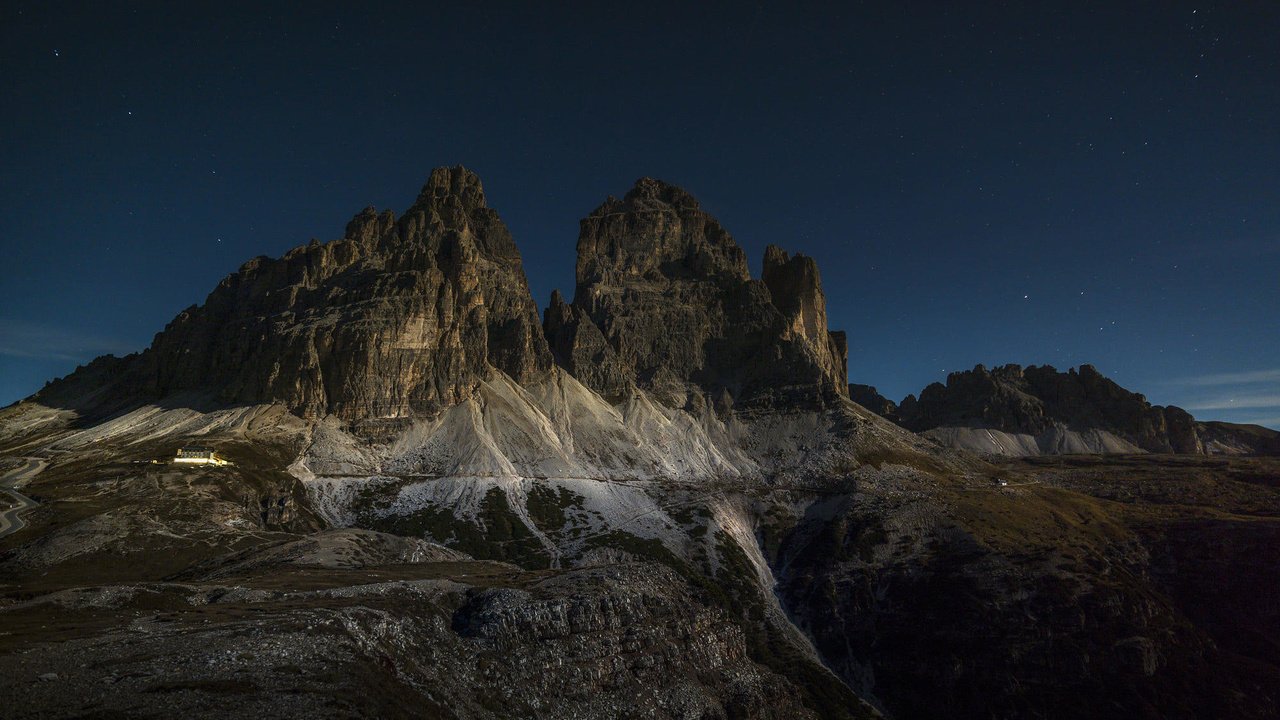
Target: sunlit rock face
[
  {"x": 405, "y": 317},
  {"x": 399, "y": 317},
  {"x": 664, "y": 299}
]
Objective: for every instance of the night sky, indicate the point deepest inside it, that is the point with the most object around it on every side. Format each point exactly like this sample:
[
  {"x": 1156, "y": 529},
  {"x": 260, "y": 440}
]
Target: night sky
[{"x": 1035, "y": 183}]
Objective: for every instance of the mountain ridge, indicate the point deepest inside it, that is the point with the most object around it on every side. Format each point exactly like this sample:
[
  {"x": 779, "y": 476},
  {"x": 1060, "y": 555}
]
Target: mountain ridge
[
  {"x": 392, "y": 327},
  {"x": 1012, "y": 410}
]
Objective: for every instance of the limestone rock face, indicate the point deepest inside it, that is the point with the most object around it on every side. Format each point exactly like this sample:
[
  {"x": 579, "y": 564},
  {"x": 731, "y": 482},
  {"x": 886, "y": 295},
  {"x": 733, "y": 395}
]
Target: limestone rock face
[
  {"x": 405, "y": 317},
  {"x": 796, "y": 290},
  {"x": 665, "y": 301},
  {"x": 400, "y": 317}
]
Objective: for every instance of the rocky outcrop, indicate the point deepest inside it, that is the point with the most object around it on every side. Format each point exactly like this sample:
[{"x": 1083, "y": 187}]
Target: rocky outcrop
[
  {"x": 665, "y": 301},
  {"x": 398, "y": 318},
  {"x": 1238, "y": 439},
  {"x": 1038, "y": 410},
  {"x": 621, "y": 642},
  {"x": 577, "y": 345},
  {"x": 1036, "y": 400},
  {"x": 796, "y": 290},
  {"x": 404, "y": 317},
  {"x": 998, "y": 398},
  {"x": 870, "y": 398}
]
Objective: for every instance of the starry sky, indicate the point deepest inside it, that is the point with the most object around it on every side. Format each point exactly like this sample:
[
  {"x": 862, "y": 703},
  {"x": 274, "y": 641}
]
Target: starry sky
[{"x": 1046, "y": 182}]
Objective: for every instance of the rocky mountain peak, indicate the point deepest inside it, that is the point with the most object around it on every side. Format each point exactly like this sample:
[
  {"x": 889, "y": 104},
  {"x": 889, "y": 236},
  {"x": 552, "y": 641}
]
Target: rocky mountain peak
[
  {"x": 1038, "y": 400},
  {"x": 399, "y": 318},
  {"x": 457, "y": 182},
  {"x": 795, "y": 287},
  {"x": 870, "y": 398},
  {"x": 656, "y": 230},
  {"x": 403, "y": 317},
  {"x": 369, "y": 225},
  {"x": 649, "y": 191},
  {"x": 664, "y": 300}
]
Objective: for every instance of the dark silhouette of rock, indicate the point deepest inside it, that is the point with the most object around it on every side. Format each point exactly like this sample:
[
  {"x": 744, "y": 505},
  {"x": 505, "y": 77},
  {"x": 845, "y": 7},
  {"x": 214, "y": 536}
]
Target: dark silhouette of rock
[
  {"x": 998, "y": 398},
  {"x": 870, "y": 398},
  {"x": 1039, "y": 399}
]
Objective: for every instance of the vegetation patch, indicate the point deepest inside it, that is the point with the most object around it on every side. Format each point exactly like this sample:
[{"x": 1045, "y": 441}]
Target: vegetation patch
[
  {"x": 547, "y": 506},
  {"x": 497, "y": 534}
]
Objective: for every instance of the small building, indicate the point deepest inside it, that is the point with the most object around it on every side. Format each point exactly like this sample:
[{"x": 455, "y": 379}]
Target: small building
[
  {"x": 999, "y": 482},
  {"x": 198, "y": 456}
]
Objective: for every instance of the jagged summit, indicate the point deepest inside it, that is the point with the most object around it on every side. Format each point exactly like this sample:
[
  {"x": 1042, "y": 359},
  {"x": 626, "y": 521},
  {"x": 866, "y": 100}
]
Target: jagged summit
[
  {"x": 649, "y": 190},
  {"x": 411, "y": 345},
  {"x": 398, "y": 318},
  {"x": 795, "y": 288},
  {"x": 1036, "y": 398},
  {"x": 1013, "y": 410},
  {"x": 665, "y": 301},
  {"x": 657, "y": 230},
  {"x": 405, "y": 317},
  {"x": 455, "y": 182}
]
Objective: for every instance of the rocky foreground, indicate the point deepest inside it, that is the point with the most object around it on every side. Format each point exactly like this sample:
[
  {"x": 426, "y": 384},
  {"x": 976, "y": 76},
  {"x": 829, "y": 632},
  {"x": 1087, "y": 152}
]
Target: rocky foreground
[{"x": 657, "y": 500}]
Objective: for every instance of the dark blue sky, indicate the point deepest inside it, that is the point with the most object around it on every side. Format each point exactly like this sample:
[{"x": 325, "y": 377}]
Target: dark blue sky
[{"x": 1034, "y": 182}]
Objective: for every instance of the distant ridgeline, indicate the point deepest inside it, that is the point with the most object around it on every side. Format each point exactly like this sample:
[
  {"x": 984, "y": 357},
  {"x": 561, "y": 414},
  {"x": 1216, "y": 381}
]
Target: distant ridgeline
[{"x": 1011, "y": 410}]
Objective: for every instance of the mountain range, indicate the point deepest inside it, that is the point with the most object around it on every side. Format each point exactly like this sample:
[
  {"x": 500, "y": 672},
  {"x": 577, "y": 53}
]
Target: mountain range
[
  {"x": 1011, "y": 410},
  {"x": 661, "y": 498}
]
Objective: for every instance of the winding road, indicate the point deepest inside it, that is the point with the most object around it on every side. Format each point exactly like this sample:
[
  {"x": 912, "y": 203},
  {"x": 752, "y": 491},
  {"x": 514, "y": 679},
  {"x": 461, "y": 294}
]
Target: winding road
[{"x": 11, "y": 520}]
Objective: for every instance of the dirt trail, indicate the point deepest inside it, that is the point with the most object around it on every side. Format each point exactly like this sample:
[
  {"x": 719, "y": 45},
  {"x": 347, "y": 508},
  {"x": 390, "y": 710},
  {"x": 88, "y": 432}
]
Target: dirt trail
[{"x": 11, "y": 519}]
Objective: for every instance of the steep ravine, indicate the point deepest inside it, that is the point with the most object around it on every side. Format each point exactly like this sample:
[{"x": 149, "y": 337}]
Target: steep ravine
[
  {"x": 742, "y": 520},
  {"x": 979, "y": 613}
]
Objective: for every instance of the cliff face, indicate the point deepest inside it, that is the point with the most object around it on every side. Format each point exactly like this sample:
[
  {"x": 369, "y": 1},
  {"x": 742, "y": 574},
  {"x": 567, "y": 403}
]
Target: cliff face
[
  {"x": 1049, "y": 602},
  {"x": 404, "y": 317},
  {"x": 399, "y": 317},
  {"x": 665, "y": 302}
]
